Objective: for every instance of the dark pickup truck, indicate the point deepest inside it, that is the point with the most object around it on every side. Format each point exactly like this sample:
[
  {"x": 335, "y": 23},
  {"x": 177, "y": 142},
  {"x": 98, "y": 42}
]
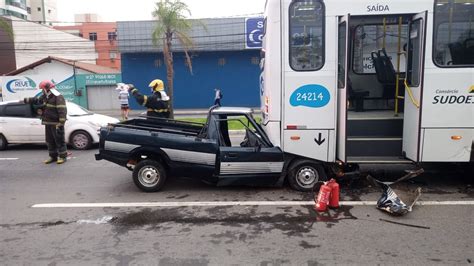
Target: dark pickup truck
[{"x": 155, "y": 149}]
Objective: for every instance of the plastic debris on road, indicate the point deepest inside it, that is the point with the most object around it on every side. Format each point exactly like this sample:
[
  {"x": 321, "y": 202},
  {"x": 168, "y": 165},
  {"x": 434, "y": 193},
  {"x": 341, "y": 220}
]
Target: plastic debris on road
[{"x": 396, "y": 199}]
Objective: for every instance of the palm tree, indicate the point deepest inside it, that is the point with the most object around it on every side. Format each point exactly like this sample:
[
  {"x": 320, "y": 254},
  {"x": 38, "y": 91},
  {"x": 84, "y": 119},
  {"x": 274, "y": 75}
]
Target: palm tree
[{"x": 172, "y": 24}]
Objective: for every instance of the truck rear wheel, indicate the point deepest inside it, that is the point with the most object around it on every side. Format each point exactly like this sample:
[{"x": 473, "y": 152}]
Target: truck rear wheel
[
  {"x": 304, "y": 174},
  {"x": 149, "y": 175}
]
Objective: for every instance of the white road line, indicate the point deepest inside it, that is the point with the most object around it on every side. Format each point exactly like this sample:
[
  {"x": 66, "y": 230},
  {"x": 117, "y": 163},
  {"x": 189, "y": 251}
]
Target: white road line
[
  {"x": 228, "y": 203},
  {"x": 8, "y": 159}
]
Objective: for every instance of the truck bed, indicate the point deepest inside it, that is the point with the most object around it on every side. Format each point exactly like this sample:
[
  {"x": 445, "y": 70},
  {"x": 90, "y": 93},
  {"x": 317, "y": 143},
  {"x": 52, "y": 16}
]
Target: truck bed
[{"x": 163, "y": 125}]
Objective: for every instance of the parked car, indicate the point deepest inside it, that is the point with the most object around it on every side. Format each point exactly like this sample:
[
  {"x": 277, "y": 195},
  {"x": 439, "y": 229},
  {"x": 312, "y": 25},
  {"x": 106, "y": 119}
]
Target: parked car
[{"x": 20, "y": 124}]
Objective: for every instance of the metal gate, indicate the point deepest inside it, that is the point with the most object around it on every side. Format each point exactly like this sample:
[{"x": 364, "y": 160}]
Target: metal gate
[{"x": 102, "y": 98}]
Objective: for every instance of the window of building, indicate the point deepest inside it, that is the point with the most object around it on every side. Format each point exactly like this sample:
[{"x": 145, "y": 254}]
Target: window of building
[
  {"x": 369, "y": 38},
  {"x": 112, "y": 36},
  {"x": 255, "y": 60},
  {"x": 453, "y": 44},
  {"x": 306, "y": 35},
  {"x": 93, "y": 36},
  {"x": 49, "y": 11},
  {"x": 113, "y": 54},
  {"x": 221, "y": 62},
  {"x": 158, "y": 63},
  {"x": 17, "y": 3}
]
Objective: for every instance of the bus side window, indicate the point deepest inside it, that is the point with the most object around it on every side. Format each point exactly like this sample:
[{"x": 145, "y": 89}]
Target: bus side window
[
  {"x": 306, "y": 35},
  {"x": 454, "y": 33}
]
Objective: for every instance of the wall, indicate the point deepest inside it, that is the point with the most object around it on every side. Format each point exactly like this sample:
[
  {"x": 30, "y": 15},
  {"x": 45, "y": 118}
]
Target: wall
[
  {"x": 26, "y": 83},
  {"x": 61, "y": 74},
  {"x": 238, "y": 78},
  {"x": 34, "y": 42}
]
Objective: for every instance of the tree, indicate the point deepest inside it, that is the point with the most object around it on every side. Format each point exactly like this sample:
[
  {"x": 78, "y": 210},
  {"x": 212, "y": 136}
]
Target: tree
[{"x": 172, "y": 25}]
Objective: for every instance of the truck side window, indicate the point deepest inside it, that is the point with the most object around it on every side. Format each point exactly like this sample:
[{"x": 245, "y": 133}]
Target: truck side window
[
  {"x": 250, "y": 139},
  {"x": 306, "y": 35}
]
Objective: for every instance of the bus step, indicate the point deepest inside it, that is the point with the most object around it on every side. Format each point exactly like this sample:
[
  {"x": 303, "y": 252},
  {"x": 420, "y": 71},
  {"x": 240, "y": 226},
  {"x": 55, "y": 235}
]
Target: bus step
[
  {"x": 378, "y": 160},
  {"x": 374, "y": 146},
  {"x": 392, "y": 127}
]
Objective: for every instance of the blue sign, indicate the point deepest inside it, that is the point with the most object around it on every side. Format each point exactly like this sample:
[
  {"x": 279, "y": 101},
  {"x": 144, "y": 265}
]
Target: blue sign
[
  {"x": 254, "y": 28},
  {"x": 312, "y": 95}
]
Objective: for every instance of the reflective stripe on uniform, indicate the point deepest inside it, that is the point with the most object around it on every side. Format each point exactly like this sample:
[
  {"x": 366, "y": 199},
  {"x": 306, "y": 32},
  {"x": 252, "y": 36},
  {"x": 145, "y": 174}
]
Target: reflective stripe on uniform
[
  {"x": 55, "y": 106},
  {"x": 157, "y": 110},
  {"x": 145, "y": 98}
]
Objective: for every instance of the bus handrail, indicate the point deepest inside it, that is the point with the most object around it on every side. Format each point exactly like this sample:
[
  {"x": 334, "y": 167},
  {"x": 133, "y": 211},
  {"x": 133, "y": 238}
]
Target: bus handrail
[{"x": 410, "y": 93}]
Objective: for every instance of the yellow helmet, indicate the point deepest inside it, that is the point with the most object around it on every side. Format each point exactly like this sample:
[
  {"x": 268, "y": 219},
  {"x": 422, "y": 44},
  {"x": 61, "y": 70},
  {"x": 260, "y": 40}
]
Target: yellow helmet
[{"x": 157, "y": 85}]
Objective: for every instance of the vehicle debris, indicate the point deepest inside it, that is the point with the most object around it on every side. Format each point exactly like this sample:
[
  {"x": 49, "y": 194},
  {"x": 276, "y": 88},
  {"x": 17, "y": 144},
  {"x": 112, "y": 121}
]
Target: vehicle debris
[
  {"x": 405, "y": 224},
  {"x": 391, "y": 199}
]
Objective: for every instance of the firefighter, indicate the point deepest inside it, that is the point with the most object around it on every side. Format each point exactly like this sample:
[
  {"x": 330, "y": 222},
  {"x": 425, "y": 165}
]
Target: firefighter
[
  {"x": 52, "y": 109},
  {"x": 157, "y": 104}
]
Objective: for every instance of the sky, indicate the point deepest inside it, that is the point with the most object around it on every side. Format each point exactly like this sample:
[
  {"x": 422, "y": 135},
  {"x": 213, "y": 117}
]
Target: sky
[{"x": 123, "y": 10}]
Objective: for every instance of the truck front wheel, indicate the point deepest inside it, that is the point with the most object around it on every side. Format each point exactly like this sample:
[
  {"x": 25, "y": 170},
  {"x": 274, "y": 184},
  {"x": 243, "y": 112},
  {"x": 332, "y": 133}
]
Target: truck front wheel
[
  {"x": 149, "y": 175},
  {"x": 304, "y": 174}
]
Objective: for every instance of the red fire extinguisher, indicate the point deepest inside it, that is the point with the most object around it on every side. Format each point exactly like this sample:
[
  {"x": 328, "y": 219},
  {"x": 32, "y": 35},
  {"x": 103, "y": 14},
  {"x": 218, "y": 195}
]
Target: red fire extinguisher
[
  {"x": 334, "y": 198},
  {"x": 323, "y": 197}
]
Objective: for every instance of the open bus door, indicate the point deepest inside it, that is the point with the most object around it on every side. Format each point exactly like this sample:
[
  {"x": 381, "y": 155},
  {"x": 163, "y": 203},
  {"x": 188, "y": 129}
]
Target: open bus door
[
  {"x": 415, "y": 52},
  {"x": 343, "y": 48}
]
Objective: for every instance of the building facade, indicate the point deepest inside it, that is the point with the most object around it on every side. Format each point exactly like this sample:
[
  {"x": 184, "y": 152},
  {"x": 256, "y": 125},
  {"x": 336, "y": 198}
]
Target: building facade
[
  {"x": 44, "y": 11},
  {"x": 33, "y": 42},
  {"x": 104, "y": 36},
  {"x": 222, "y": 57},
  {"x": 16, "y": 8}
]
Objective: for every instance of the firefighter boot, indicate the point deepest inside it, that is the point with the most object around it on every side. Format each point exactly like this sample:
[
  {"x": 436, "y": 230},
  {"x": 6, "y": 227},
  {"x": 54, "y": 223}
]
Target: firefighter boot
[
  {"x": 61, "y": 160},
  {"x": 49, "y": 160}
]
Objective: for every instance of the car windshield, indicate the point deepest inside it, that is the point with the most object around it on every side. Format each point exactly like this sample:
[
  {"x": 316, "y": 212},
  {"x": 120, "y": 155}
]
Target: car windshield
[{"x": 76, "y": 110}]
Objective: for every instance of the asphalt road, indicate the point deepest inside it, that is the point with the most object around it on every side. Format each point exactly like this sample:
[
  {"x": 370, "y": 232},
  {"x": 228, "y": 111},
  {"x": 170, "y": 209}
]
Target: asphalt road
[{"x": 216, "y": 235}]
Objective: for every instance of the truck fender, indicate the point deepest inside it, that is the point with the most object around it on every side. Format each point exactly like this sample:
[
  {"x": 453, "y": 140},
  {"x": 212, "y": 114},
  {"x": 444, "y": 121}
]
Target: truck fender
[{"x": 142, "y": 153}]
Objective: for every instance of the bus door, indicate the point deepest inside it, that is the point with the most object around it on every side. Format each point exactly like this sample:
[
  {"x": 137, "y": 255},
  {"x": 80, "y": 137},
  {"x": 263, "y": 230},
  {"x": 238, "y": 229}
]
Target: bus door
[
  {"x": 415, "y": 52},
  {"x": 342, "y": 52}
]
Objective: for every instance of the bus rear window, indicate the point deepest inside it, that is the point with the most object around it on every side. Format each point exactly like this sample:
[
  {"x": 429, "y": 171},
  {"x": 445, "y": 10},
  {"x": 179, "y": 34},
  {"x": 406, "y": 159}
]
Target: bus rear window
[
  {"x": 453, "y": 33},
  {"x": 306, "y": 35}
]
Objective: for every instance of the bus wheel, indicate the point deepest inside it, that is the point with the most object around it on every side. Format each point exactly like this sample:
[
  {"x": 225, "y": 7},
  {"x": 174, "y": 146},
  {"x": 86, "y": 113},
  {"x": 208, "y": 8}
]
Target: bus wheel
[
  {"x": 304, "y": 174},
  {"x": 149, "y": 175}
]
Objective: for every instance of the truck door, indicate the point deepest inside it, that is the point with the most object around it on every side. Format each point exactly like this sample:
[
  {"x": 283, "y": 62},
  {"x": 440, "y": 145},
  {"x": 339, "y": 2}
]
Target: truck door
[
  {"x": 415, "y": 52},
  {"x": 247, "y": 158},
  {"x": 343, "y": 48}
]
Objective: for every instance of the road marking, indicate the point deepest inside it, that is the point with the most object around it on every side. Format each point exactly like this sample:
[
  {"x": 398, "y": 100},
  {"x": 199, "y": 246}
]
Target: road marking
[
  {"x": 228, "y": 203},
  {"x": 8, "y": 159}
]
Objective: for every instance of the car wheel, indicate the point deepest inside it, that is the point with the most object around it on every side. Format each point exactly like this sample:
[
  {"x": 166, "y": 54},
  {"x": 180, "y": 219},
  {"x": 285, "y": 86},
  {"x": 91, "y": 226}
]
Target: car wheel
[
  {"x": 304, "y": 174},
  {"x": 149, "y": 175},
  {"x": 3, "y": 143},
  {"x": 80, "y": 140}
]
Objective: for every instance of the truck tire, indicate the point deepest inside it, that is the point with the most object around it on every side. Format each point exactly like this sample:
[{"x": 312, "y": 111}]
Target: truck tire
[
  {"x": 149, "y": 175},
  {"x": 304, "y": 174},
  {"x": 3, "y": 143}
]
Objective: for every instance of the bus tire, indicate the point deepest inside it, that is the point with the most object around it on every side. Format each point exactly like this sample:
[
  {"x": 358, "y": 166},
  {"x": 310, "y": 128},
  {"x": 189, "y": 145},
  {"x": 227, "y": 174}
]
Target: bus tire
[
  {"x": 304, "y": 174},
  {"x": 149, "y": 175}
]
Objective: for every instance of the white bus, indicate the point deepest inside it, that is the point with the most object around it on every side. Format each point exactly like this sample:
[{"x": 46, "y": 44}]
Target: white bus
[{"x": 361, "y": 81}]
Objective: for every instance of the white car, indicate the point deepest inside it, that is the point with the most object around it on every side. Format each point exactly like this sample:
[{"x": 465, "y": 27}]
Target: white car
[{"x": 19, "y": 124}]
